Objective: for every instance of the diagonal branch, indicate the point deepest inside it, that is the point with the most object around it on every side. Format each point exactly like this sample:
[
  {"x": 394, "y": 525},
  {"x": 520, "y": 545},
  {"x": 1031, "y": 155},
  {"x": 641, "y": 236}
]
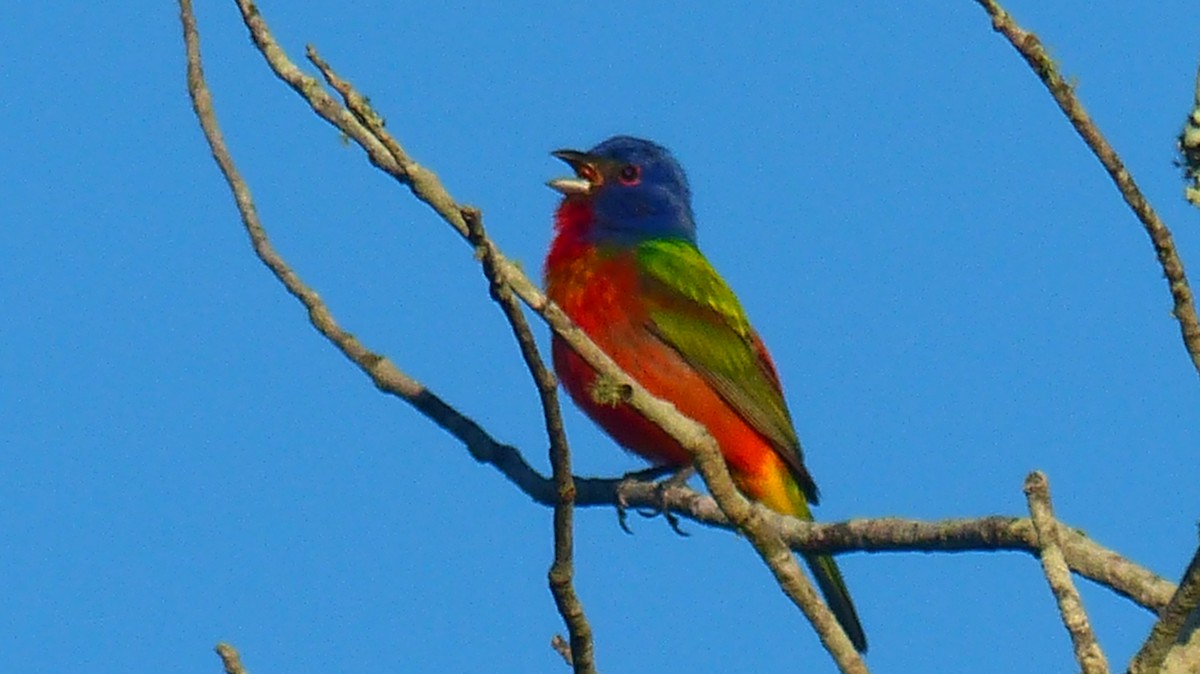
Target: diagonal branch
[
  {"x": 1031, "y": 49},
  {"x": 1070, "y": 604},
  {"x": 1184, "y": 657},
  {"x": 1172, "y": 622},
  {"x": 562, "y": 570},
  {"x": 391, "y": 380},
  {"x": 383, "y": 373}
]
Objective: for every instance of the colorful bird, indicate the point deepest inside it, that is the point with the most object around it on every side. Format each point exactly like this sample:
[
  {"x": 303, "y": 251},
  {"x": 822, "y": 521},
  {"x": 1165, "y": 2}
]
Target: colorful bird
[{"x": 625, "y": 267}]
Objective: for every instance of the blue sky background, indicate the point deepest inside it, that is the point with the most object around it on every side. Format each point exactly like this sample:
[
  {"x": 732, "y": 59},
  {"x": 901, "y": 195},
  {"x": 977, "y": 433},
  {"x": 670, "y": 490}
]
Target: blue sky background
[{"x": 953, "y": 291}]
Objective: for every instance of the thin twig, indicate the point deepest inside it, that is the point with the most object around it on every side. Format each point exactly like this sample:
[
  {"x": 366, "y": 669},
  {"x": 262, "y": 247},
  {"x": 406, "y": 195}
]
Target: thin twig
[
  {"x": 1070, "y": 605},
  {"x": 1171, "y": 622},
  {"x": 562, "y": 570},
  {"x": 1031, "y": 49},
  {"x": 228, "y": 654},
  {"x": 563, "y": 648}
]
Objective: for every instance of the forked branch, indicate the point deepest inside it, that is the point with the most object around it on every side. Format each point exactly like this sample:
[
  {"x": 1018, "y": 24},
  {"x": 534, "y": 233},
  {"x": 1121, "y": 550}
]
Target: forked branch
[{"x": 772, "y": 535}]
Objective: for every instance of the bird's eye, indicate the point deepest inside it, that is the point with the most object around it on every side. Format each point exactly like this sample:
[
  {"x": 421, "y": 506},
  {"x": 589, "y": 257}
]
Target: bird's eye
[{"x": 630, "y": 174}]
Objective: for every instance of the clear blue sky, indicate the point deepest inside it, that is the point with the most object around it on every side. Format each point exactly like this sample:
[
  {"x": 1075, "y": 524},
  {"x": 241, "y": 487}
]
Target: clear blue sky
[{"x": 953, "y": 292}]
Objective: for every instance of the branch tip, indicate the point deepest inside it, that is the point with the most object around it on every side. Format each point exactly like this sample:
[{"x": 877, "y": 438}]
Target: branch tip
[{"x": 230, "y": 660}]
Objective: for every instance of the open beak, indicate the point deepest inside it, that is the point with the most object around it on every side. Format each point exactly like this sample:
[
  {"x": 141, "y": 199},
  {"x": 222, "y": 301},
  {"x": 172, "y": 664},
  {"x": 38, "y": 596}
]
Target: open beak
[{"x": 587, "y": 175}]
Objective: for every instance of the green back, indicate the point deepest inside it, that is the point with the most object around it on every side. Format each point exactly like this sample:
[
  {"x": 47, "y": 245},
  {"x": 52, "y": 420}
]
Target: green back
[{"x": 694, "y": 311}]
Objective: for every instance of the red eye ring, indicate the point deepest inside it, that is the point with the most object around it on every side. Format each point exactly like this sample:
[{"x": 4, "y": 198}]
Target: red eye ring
[{"x": 630, "y": 174}]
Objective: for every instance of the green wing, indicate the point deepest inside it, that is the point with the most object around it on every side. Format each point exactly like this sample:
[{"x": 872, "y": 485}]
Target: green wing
[{"x": 694, "y": 312}]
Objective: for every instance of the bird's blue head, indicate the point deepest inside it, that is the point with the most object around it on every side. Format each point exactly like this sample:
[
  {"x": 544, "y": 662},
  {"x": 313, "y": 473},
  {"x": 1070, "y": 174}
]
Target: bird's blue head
[{"x": 634, "y": 188}]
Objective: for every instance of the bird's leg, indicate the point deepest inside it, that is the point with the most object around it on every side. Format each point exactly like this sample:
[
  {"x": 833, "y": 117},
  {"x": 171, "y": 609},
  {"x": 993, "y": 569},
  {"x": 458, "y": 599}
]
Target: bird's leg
[
  {"x": 680, "y": 477},
  {"x": 677, "y": 477},
  {"x": 627, "y": 481}
]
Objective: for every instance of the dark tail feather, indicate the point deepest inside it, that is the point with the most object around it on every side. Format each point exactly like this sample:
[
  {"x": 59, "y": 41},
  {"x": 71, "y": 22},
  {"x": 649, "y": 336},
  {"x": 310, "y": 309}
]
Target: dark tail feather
[{"x": 829, "y": 579}]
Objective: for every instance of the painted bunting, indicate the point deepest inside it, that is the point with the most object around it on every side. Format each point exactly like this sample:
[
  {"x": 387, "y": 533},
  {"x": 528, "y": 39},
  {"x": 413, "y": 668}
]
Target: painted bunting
[{"x": 625, "y": 267}]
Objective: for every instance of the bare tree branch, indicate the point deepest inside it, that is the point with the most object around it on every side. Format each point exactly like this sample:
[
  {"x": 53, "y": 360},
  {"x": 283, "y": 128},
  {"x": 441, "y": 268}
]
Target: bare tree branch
[
  {"x": 1031, "y": 49},
  {"x": 1172, "y": 622},
  {"x": 383, "y": 373},
  {"x": 389, "y": 379},
  {"x": 1184, "y": 658},
  {"x": 1070, "y": 604},
  {"x": 1084, "y": 556},
  {"x": 562, "y": 570},
  {"x": 228, "y": 654},
  {"x": 890, "y": 534}
]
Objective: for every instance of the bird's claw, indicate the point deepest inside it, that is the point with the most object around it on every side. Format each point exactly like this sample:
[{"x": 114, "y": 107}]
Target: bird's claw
[
  {"x": 623, "y": 504},
  {"x": 676, "y": 479},
  {"x": 628, "y": 480},
  {"x": 671, "y": 518}
]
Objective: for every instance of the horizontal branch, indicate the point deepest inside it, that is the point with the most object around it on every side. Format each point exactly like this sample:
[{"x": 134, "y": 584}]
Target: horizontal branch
[{"x": 994, "y": 533}]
